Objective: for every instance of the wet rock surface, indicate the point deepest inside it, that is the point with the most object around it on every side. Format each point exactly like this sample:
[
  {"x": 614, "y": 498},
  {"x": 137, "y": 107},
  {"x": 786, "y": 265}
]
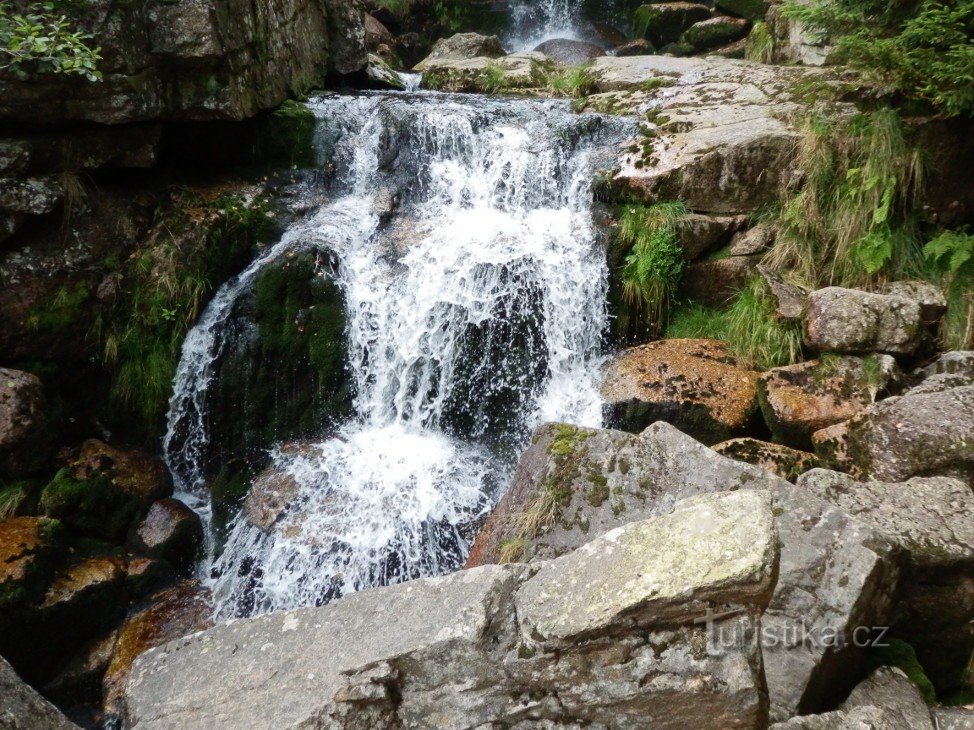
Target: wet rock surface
[{"x": 696, "y": 385}]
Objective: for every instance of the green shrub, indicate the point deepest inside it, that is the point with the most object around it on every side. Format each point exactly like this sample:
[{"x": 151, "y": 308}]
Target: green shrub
[
  {"x": 852, "y": 222},
  {"x": 951, "y": 255},
  {"x": 42, "y": 41},
  {"x": 654, "y": 261},
  {"x": 923, "y": 50}
]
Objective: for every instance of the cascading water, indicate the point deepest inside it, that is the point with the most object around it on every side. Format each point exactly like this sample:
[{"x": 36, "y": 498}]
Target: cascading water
[
  {"x": 536, "y": 21},
  {"x": 475, "y": 289}
]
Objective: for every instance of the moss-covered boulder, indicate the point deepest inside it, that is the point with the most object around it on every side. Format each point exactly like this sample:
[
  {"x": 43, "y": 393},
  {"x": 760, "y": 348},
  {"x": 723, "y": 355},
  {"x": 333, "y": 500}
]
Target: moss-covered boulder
[
  {"x": 715, "y": 32},
  {"x": 798, "y": 400},
  {"x": 696, "y": 385},
  {"x": 749, "y": 9},
  {"x": 663, "y": 23},
  {"x": 784, "y": 461},
  {"x": 30, "y": 548}
]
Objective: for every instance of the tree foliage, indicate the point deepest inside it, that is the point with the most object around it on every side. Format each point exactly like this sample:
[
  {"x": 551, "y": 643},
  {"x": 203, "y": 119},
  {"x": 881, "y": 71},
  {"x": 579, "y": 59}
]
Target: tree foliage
[
  {"x": 42, "y": 40},
  {"x": 922, "y": 50}
]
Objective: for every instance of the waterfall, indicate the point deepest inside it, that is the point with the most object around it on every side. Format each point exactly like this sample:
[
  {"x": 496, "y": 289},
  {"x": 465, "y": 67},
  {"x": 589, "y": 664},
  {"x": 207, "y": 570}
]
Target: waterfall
[
  {"x": 462, "y": 228},
  {"x": 535, "y": 21}
]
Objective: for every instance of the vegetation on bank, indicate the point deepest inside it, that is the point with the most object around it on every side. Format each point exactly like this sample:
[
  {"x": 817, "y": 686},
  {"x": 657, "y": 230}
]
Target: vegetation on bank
[{"x": 42, "y": 40}]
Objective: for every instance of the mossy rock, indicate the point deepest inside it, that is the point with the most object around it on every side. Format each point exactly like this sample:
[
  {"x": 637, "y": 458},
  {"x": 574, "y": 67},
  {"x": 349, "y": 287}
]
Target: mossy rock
[
  {"x": 94, "y": 506},
  {"x": 30, "y": 550},
  {"x": 749, "y": 9},
  {"x": 287, "y": 136},
  {"x": 714, "y": 32},
  {"x": 898, "y": 653}
]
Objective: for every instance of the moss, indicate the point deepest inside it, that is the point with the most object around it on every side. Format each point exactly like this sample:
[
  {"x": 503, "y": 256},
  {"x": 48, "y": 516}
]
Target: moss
[
  {"x": 64, "y": 309},
  {"x": 599, "y": 492},
  {"x": 900, "y": 654},
  {"x": 287, "y": 136},
  {"x": 91, "y": 506}
]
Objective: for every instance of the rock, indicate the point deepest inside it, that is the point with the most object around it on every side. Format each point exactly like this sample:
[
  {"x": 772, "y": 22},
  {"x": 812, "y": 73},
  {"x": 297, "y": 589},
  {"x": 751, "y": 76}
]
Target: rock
[
  {"x": 80, "y": 680},
  {"x": 929, "y": 519},
  {"x": 712, "y": 549},
  {"x": 456, "y": 649},
  {"x": 664, "y": 22},
  {"x": 886, "y": 700},
  {"x": 724, "y": 145},
  {"x": 29, "y": 549},
  {"x": 376, "y": 34},
  {"x": 959, "y": 364},
  {"x": 694, "y": 384},
  {"x": 172, "y": 613},
  {"x": 700, "y": 234},
  {"x": 569, "y": 53},
  {"x": 737, "y": 49},
  {"x": 715, "y": 32},
  {"x": 381, "y": 76},
  {"x": 269, "y": 496},
  {"x": 754, "y": 240},
  {"x": 952, "y": 718},
  {"x": 933, "y": 303},
  {"x": 606, "y": 34},
  {"x": 749, "y": 9},
  {"x": 638, "y": 47},
  {"x": 133, "y": 472},
  {"x": 87, "y": 586},
  {"x": 21, "y": 708},
  {"x": 836, "y": 575},
  {"x": 783, "y": 461},
  {"x": 170, "y": 531},
  {"x": 904, "y": 436},
  {"x": 795, "y": 42},
  {"x": 798, "y": 400},
  {"x": 851, "y": 321},
  {"x": 32, "y": 196},
  {"x": 193, "y": 59},
  {"x": 575, "y": 483},
  {"x": 21, "y": 422},
  {"x": 716, "y": 282},
  {"x": 462, "y": 47},
  {"x": 517, "y": 71},
  {"x": 144, "y": 575},
  {"x": 790, "y": 299}
]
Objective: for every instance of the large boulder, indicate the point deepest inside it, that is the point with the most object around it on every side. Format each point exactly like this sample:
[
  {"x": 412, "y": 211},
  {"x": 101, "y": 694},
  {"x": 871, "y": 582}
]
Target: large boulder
[
  {"x": 485, "y": 646},
  {"x": 784, "y": 461},
  {"x": 696, "y": 385},
  {"x": 29, "y": 550},
  {"x": 716, "y": 282},
  {"x": 855, "y": 322},
  {"x": 479, "y": 75},
  {"x": 462, "y": 47},
  {"x": 798, "y": 400},
  {"x": 925, "y": 431},
  {"x": 21, "y": 422},
  {"x": 715, "y": 32},
  {"x": 569, "y": 52},
  {"x": 193, "y": 59},
  {"x": 170, "y": 531},
  {"x": 21, "y": 708},
  {"x": 929, "y": 520},
  {"x": 665, "y": 22},
  {"x": 574, "y": 483}
]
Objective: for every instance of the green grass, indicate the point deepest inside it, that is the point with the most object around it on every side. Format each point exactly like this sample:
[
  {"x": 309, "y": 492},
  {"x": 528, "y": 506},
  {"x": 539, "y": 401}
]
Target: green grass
[
  {"x": 653, "y": 262},
  {"x": 574, "y": 83},
  {"x": 756, "y": 337},
  {"x": 852, "y": 223},
  {"x": 759, "y": 46},
  {"x": 950, "y": 257}
]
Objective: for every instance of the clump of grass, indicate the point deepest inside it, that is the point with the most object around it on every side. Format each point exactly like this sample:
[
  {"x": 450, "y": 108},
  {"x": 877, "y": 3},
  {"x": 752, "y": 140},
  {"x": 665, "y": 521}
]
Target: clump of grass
[
  {"x": 574, "y": 83},
  {"x": 654, "y": 263},
  {"x": 12, "y": 496},
  {"x": 759, "y": 46},
  {"x": 748, "y": 324},
  {"x": 493, "y": 79},
  {"x": 512, "y": 550},
  {"x": 851, "y": 224}
]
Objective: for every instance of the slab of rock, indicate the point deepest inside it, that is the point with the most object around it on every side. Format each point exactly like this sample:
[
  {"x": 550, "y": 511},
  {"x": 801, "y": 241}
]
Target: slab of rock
[
  {"x": 922, "y": 432},
  {"x": 790, "y": 299},
  {"x": 784, "y": 461},
  {"x": 929, "y": 519},
  {"x": 716, "y": 282},
  {"x": 886, "y": 700},
  {"x": 22, "y": 708},
  {"x": 29, "y": 548},
  {"x": 450, "y": 651},
  {"x": 569, "y": 53},
  {"x": 700, "y": 234},
  {"x": 854, "y": 322},
  {"x": 953, "y": 718},
  {"x": 462, "y": 47},
  {"x": 714, "y": 549},
  {"x": 133, "y": 472},
  {"x": 930, "y": 297},
  {"x": 21, "y": 422},
  {"x": 715, "y": 32},
  {"x": 170, "y": 531},
  {"x": 381, "y": 76},
  {"x": 959, "y": 364},
  {"x": 696, "y": 385},
  {"x": 519, "y": 71},
  {"x": 638, "y": 47},
  {"x": 750, "y": 9},
  {"x": 665, "y": 22},
  {"x": 574, "y": 483},
  {"x": 795, "y": 42},
  {"x": 798, "y": 400}
]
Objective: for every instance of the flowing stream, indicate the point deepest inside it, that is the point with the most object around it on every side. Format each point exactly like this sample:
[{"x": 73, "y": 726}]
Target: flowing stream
[
  {"x": 475, "y": 284},
  {"x": 536, "y": 21}
]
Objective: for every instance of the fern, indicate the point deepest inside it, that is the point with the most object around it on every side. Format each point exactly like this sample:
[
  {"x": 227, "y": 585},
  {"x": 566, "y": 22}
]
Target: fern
[{"x": 951, "y": 255}]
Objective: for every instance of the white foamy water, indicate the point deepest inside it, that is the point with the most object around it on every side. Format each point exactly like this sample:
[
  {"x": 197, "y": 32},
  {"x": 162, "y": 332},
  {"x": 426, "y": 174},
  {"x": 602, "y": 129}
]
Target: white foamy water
[
  {"x": 535, "y": 21},
  {"x": 475, "y": 311}
]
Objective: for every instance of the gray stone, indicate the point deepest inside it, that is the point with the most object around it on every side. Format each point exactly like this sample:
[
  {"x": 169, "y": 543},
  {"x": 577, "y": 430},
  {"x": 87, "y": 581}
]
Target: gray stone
[
  {"x": 952, "y": 718},
  {"x": 170, "y": 531},
  {"x": 929, "y": 520},
  {"x": 795, "y": 42},
  {"x": 573, "y": 484},
  {"x": 958, "y": 363},
  {"x": 836, "y": 575},
  {"x": 930, "y": 297},
  {"x": 790, "y": 299},
  {"x": 715, "y": 32},
  {"x": 638, "y": 47},
  {"x": 778, "y": 459},
  {"x": 754, "y": 240},
  {"x": 568, "y": 52},
  {"x": 925, "y": 431},
  {"x": 667, "y": 20},
  {"x": 21, "y": 708},
  {"x": 700, "y": 234},
  {"x": 853, "y": 322},
  {"x": 462, "y": 47},
  {"x": 518, "y": 71},
  {"x": 717, "y": 282},
  {"x": 32, "y": 196},
  {"x": 381, "y": 76},
  {"x": 21, "y": 421},
  {"x": 713, "y": 549}
]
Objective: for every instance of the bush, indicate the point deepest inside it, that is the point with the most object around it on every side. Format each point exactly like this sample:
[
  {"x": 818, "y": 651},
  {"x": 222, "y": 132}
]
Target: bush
[
  {"x": 951, "y": 255},
  {"x": 41, "y": 41},
  {"x": 922, "y": 50}
]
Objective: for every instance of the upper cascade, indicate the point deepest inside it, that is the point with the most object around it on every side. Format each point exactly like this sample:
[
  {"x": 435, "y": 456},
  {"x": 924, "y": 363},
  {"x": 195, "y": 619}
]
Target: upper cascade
[{"x": 461, "y": 231}]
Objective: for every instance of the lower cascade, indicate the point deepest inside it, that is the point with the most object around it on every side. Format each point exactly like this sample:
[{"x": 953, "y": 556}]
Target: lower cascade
[{"x": 460, "y": 234}]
